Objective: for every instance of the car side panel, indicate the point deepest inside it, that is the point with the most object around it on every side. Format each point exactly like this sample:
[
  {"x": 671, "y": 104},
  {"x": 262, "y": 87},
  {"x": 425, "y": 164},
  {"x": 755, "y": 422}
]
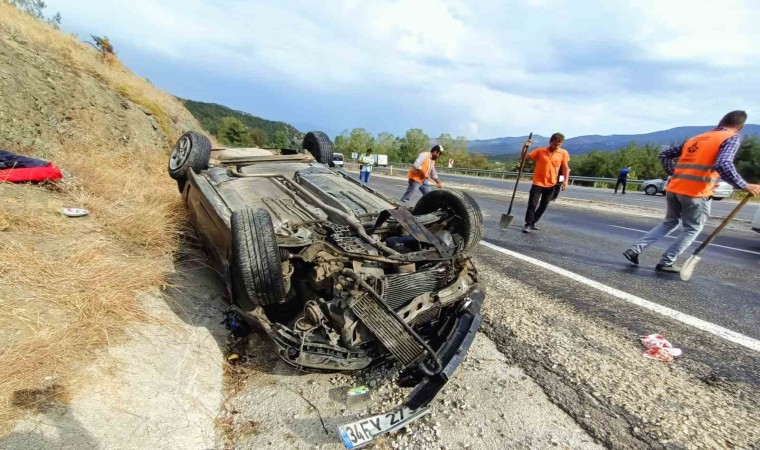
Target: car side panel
[{"x": 211, "y": 218}]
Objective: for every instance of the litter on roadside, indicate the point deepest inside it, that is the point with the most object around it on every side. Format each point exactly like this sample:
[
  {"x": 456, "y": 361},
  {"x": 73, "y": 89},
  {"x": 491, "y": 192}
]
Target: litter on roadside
[
  {"x": 357, "y": 395},
  {"x": 659, "y": 348},
  {"x": 23, "y": 169},
  {"x": 74, "y": 212}
]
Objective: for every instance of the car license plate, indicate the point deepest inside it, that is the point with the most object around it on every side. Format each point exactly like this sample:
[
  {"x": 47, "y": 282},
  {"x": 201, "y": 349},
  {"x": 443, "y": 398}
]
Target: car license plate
[{"x": 359, "y": 433}]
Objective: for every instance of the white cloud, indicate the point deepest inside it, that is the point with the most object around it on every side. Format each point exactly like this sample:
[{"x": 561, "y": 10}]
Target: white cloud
[{"x": 481, "y": 68}]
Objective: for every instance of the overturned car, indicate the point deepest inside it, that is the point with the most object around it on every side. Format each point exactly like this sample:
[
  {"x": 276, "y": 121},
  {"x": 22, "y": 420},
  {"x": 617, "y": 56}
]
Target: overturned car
[{"x": 335, "y": 274}]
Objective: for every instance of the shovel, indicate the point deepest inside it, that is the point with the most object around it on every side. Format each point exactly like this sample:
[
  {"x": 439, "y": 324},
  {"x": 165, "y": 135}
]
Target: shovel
[
  {"x": 691, "y": 263},
  {"x": 506, "y": 219}
]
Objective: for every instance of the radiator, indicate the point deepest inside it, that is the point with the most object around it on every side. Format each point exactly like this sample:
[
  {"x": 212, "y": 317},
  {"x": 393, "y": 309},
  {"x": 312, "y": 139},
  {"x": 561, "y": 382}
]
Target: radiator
[{"x": 398, "y": 290}]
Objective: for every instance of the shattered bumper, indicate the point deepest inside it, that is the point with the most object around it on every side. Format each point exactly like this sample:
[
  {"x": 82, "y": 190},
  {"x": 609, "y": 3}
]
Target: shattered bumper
[{"x": 451, "y": 352}]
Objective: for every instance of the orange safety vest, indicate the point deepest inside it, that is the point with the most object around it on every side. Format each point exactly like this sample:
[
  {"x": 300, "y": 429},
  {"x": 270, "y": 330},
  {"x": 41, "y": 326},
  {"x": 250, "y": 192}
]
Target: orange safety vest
[
  {"x": 694, "y": 174},
  {"x": 420, "y": 175}
]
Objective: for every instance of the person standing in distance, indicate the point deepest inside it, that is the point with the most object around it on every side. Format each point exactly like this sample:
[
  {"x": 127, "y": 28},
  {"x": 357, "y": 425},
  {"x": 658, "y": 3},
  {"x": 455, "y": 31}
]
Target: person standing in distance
[
  {"x": 422, "y": 172},
  {"x": 689, "y": 193},
  {"x": 550, "y": 162},
  {"x": 367, "y": 161},
  {"x": 622, "y": 178}
]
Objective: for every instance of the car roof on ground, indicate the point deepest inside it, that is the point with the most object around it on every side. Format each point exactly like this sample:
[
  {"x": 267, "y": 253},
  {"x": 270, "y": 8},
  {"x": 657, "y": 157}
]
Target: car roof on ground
[{"x": 236, "y": 153}]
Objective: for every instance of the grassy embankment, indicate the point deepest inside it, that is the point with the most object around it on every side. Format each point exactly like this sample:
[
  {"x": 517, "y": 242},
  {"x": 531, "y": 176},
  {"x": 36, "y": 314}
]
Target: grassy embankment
[{"x": 69, "y": 287}]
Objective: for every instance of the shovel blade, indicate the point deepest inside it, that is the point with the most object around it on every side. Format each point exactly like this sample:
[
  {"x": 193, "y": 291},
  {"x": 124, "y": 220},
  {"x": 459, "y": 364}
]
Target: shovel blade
[
  {"x": 506, "y": 219},
  {"x": 688, "y": 268}
]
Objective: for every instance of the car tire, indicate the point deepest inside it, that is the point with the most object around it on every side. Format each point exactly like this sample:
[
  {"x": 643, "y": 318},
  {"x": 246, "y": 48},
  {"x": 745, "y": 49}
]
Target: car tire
[
  {"x": 470, "y": 227},
  {"x": 256, "y": 263},
  {"x": 191, "y": 152},
  {"x": 650, "y": 190},
  {"x": 319, "y": 145}
]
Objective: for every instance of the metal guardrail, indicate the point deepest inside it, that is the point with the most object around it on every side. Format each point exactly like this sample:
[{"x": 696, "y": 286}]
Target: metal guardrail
[{"x": 500, "y": 174}]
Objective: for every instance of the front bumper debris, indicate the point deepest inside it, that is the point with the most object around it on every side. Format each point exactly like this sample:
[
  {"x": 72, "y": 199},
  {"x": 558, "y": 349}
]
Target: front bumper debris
[{"x": 452, "y": 351}]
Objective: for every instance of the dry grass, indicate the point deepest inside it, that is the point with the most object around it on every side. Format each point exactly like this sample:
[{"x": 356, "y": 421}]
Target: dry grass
[
  {"x": 79, "y": 57},
  {"x": 93, "y": 277},
  {"x": 93, "y": 270}
]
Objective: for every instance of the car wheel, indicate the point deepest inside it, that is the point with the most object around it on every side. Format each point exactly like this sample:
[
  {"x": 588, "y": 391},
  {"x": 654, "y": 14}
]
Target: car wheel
[
  {"x": 256, "y": 262},
  {"x": 461, "y": 204},
  {"x": 192, "y": 151},
  {"x": 650, "y": 190},
  {"x": 320, "y": 147}
]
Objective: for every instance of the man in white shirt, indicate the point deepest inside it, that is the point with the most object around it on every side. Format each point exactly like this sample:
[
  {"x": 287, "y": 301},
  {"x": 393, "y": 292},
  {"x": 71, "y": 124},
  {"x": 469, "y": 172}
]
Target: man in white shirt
[{"x": 367, "y": 161}]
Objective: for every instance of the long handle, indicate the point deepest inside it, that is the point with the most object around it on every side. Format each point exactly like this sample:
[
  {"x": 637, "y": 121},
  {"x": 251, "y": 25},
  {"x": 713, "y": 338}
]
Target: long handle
[
  {"x": 722, "y": 225},
  {"x": 523, "y": 154}
]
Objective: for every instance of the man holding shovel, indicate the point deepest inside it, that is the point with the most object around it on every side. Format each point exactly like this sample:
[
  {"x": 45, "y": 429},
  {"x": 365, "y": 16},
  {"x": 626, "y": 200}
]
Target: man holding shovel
[
  {"x": 689, "y": 193},
  {"x": 550, "y": 161}
]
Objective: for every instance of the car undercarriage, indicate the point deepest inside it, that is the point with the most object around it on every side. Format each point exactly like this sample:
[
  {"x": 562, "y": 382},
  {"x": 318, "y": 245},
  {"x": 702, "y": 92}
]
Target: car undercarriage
[{"x": 338, "y": 276}]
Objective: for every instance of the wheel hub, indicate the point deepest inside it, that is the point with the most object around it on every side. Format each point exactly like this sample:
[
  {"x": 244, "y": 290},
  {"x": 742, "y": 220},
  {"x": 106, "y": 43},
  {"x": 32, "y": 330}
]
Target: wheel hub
[{"x": 180, "y": 153}]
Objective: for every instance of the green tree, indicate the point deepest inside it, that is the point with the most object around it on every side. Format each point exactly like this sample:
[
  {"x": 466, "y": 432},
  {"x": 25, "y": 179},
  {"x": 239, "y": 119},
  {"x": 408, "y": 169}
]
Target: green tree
[
  {"x": 233, "y": 132},
  {"x": 258, "y": 137},
  {"x": 413, "y": 143},
  {"x": 280, "y": 139},
  {"x": 360, "y": 140},
  {"x": 748, "y": 159},
  {"x": 341, "y": 143},
  {"x": 387, "y": 144}
]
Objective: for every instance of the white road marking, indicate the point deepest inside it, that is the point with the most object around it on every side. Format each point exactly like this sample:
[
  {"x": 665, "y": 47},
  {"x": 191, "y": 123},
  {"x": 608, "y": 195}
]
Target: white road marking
[
  {"x": 695, "y": 322},
  {"x": 698, "y": 242}
]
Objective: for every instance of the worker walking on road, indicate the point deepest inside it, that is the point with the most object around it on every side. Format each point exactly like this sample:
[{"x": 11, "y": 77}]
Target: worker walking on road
[
  {"x": 622, "y": 178},
  {"x": 367, "y": 161},
  {"x": 550, "y": 161},
  {"x": 423, "y": 172},
  {"x": 689, "y": 194}
]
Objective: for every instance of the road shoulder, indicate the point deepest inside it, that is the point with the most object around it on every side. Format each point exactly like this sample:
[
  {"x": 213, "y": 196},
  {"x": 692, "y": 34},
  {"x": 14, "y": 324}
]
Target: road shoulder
[{"x": 595, "y": 372}]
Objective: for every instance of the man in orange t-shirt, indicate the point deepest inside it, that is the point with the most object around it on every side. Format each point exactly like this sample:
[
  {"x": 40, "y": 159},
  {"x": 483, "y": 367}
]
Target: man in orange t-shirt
[{"x": 550, "y": 162}]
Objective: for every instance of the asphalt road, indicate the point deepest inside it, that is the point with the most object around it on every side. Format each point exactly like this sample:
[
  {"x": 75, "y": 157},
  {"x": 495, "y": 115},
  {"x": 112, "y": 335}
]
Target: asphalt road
[
  {"x": 725, "y": 289},
  {"x": 720, "y": 208}
]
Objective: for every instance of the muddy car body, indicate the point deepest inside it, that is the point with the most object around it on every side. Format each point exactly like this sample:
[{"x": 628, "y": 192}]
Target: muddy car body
[{"x": 336, "y": 275}]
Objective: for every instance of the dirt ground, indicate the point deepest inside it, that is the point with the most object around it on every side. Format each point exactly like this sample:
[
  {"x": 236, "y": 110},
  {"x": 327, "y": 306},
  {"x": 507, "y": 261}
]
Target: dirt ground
[
  {"x": 160, "y": 387},
  {"x": 539, "y": 375}
]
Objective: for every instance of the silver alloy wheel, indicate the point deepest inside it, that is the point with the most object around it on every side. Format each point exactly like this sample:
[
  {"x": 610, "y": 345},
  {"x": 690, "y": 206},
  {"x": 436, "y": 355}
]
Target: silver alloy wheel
[{"x": 180, "y": 153}]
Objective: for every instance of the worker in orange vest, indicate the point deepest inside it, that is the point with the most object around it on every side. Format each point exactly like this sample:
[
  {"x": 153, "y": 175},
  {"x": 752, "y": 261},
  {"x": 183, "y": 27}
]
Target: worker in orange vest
[
  {"x": 422, "y": 172},
  {"x": 689, "y": 194}
]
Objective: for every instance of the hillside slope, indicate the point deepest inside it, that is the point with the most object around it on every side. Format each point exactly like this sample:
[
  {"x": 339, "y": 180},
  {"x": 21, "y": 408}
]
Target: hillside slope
[
  {"x": 211, "y": 114},
  {"x": 69, "y": 287},
  {"x": 585, "y": 144}
]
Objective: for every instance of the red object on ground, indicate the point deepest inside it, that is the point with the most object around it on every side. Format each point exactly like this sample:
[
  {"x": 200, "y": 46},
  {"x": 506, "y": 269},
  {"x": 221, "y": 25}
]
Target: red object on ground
[{"x": 25, "y": 175}]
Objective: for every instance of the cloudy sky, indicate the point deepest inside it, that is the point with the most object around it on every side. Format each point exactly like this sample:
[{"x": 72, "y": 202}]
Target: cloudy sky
[{"x": 478, "y": 68}]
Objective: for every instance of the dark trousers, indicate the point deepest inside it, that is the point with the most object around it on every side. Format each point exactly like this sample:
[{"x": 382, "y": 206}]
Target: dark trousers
[
  {"x": 537, "y": 203},
  {"x": 619, "y": 182}
]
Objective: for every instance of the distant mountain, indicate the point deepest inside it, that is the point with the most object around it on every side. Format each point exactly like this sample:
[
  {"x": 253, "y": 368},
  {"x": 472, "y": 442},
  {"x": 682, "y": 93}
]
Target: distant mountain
[
  {"x": 585, "y": 144},
  {"x": 210, "y": 114}
]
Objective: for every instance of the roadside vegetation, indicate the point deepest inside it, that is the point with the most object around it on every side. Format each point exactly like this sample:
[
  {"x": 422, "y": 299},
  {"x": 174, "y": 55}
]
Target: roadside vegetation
[
  {"x": 70, "y": 287},
  {"x": 405, "y": 148},
  {"x": 240, "y": 129}
]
